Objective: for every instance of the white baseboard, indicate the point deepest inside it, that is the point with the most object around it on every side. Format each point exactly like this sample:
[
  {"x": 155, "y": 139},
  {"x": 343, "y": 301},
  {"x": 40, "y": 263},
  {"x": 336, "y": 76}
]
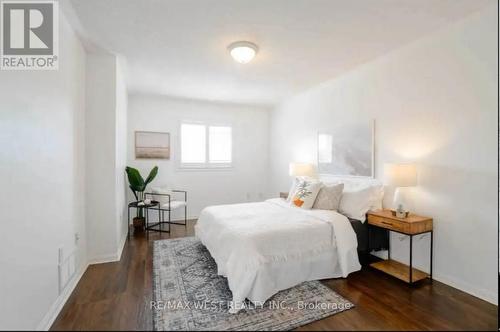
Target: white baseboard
[
  {"x": 104, "y": 259},
  {"x": 110, "y": 258},
  {"x": 478, "y": 292},
  {"x": 121, "y": 246},
  {"x": 59, "y": 303},
  {"x": 176, "y": 220},
  {"x": 473, "y": 290},
  {"x": 182, "y": 219}
]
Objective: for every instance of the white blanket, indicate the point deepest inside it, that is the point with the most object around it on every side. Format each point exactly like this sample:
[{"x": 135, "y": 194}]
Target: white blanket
[{"x": 251, "y": 239}]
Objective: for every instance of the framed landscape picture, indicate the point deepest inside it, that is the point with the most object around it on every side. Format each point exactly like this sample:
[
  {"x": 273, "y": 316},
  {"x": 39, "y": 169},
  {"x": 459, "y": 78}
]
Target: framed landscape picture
[
  {"x": 347, "y": 150},
  {"x": 152, "y": 145}
]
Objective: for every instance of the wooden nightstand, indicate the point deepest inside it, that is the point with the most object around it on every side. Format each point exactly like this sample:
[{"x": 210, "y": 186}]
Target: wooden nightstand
[{"x": 411, "y": 226}]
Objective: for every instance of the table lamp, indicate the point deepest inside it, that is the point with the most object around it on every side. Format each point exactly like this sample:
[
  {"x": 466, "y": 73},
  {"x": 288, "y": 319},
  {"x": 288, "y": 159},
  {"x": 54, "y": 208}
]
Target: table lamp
[
  {"x": 400, "y": 176},
  {"x": 302, "y": 169}
]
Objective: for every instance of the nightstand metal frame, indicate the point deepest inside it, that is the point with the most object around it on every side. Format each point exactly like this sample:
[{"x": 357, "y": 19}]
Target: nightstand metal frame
[{"x": 411, "y": 248}]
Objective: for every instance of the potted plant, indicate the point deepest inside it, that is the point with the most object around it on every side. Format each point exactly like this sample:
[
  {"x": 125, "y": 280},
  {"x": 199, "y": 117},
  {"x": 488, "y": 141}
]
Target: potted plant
[{"x": 138, "y": 186}]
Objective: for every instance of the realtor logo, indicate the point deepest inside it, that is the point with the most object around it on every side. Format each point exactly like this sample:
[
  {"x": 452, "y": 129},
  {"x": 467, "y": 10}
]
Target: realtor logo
[{"x": 29, "y": 35}]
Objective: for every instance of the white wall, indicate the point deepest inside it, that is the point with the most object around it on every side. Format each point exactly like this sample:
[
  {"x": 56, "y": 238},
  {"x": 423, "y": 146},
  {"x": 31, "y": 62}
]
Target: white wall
[
  {"x": 121, "y": 185},
  {"x": 435, "y": 103},
  {"x": 42, "y": 176},
  {"x": 100, "y": 156},
  {"x": 246, "y": 181},
  {"x": 106, "y": 125}
]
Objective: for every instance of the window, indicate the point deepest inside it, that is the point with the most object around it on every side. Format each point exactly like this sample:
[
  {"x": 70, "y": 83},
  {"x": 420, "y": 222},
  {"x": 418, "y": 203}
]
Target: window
[
  {"x": 219, "y": 145},
  {"x": 206, "y": 146},
  {"x": 325, "y": 144},
  {"x": 193, "y": 144}
]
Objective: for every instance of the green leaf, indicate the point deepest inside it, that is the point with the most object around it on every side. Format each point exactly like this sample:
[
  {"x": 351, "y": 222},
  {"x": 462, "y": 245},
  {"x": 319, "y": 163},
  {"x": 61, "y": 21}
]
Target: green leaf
[
  {"x": 134, "y": 192},
  {"x": 151, "y": 176},
  {"x": 135, "y": 179}
]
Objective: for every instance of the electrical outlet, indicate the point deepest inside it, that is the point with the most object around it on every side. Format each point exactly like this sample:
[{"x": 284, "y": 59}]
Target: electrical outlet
[{"x": 77, "y": 237}]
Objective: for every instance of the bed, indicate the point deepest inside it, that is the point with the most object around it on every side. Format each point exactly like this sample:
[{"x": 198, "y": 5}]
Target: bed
[{"x": 264, "y": 247}]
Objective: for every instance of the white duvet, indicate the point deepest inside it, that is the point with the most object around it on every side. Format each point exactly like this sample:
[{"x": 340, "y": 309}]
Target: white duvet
[{"x": 268, "y": 246}]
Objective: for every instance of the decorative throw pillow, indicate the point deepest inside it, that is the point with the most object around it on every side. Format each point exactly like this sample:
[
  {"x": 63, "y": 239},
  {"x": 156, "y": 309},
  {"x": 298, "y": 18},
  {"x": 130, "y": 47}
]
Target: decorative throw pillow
[
  {"x": 305, "y": 193},
  {"x": 295, "y": 182},
  {"x": 357, "y": 202},
  {"x": 293, "y": 187},
  {"x": 329, "y": 197}
]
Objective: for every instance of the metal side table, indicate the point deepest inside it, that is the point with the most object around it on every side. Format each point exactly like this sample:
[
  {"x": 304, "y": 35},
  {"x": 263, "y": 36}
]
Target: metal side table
[{"x": 154, "y": 205}]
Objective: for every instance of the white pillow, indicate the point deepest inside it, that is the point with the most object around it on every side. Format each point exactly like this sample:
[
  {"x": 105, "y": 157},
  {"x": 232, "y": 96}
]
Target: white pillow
[
  {"x": 355, "y": 203},
  {"x": 352, "y": 184},
  {"x": 305, "y": 193}
]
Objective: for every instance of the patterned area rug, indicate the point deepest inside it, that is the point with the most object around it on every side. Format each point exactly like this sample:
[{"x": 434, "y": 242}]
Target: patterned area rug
[{"x": 189, "y": 295}]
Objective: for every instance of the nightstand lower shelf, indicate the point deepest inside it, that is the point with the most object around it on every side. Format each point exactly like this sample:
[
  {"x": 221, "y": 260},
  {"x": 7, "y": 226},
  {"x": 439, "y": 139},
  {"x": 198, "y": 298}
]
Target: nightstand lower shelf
[{"x": 399, "y": 270}]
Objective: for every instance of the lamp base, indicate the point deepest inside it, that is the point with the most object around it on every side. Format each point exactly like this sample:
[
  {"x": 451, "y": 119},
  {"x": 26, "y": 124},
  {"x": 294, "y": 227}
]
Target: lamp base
[
  {"x": 400, "y": 214},
  {"x": 399, "y": 204}
]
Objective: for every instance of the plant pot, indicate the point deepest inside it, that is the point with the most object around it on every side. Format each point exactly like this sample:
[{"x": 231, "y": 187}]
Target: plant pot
[{"x": 138, "y": 223}]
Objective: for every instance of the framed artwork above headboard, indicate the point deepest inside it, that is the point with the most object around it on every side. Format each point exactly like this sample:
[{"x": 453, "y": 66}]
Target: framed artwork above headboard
[{"x": 348, "y": 150}]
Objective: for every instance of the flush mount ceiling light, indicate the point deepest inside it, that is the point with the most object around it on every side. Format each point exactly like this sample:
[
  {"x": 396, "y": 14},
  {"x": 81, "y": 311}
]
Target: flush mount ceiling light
[{"x": 243, "y": 51}]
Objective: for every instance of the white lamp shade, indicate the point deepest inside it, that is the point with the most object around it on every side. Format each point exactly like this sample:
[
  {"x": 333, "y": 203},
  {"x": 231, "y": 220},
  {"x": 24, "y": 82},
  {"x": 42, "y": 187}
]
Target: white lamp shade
[
  {"x": 400, "y": 175},
  {"x": 302, "y": 169}
]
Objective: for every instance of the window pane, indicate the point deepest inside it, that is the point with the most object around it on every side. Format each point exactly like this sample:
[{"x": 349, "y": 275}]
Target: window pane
[
  {"x": 220, "y": 144},
  {"x": 193, "y": 143},
  {"x": 325, "y": 145}
]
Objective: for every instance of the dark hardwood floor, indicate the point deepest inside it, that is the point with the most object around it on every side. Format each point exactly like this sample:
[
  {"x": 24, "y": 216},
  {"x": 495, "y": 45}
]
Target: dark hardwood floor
[{"x": 116, "y": 296}]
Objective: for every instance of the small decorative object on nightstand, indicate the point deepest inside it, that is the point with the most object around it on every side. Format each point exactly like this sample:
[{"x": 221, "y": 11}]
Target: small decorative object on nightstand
[
  {"x": 411, "y": 225},
  {"x": 400, "y": 212}
]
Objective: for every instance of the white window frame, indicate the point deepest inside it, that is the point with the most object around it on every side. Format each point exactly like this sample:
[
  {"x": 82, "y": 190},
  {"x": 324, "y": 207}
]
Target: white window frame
[{"x": 207, "y": 165}]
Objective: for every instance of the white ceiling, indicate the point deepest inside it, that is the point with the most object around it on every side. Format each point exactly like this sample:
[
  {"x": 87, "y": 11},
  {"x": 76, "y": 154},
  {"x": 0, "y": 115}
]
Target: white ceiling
[{"x": 178, "y": 47}]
